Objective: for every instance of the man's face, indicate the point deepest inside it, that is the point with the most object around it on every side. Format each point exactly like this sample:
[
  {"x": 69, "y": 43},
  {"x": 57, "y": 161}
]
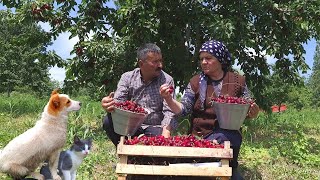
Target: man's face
[{"x": 151, "y": 67}]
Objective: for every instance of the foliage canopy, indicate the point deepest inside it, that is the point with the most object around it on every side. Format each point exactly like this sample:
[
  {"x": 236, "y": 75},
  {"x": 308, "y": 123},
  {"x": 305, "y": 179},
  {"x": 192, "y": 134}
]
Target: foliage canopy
[
  {"x": 108, "y": 37},
  {"x": 24, "y": 58}
]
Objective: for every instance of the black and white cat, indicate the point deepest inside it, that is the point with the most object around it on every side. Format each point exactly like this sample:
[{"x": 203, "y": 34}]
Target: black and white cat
[{"x": 70, "y": 160}]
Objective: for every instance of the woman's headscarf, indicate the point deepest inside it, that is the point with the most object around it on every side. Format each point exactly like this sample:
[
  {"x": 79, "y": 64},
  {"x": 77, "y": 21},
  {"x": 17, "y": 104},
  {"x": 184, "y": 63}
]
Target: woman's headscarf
[{"x": 218, "y": 50}]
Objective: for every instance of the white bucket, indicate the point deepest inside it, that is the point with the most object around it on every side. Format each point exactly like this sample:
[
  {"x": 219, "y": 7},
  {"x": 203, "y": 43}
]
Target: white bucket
[
  {"x": 230, "y": 116},
  {"x": 125, "y": 122}
]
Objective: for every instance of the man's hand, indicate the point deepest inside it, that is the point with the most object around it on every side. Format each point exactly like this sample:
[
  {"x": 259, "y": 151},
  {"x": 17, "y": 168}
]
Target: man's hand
[
  {"x": 253, "y": 111},
  {"x": 108, "y": 102},
  {"x": 166, "y": 91},
  {"x": 166, "y": 131}
]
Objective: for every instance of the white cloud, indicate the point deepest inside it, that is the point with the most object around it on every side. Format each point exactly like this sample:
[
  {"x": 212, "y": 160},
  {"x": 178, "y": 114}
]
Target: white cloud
[
  {"x": 310, "y": 48},
  {"x": 271, "y": 59},
  {"x": 62, "y": 46},
  {"x": 58, "y": 74},
  {"x": 45, "y": 26}
]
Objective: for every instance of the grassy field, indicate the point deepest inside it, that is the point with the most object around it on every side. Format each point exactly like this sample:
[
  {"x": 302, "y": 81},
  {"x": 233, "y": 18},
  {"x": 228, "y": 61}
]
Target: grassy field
[{"x": 278, "y": 146}]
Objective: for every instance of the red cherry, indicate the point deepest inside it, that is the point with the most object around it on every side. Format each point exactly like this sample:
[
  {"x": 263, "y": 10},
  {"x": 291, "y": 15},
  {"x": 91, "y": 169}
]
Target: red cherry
[
  {"x": 170, "y": 89},
  {"x": 79, "y": 51},
  {"x": 45, "y": 7}
]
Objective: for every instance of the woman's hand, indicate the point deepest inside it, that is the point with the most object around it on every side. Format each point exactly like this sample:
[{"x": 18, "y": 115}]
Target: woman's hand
[
  {"x": 107, "y": 102},
  {"x": 253, "y": 111}
]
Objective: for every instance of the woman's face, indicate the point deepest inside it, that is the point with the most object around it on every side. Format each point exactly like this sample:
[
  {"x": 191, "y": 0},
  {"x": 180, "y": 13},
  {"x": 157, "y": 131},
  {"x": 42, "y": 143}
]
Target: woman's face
[{"x": 209, "y": 64}]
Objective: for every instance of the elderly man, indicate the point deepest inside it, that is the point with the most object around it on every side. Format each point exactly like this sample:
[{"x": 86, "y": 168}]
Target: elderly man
[{"x": 142, "y": 85}]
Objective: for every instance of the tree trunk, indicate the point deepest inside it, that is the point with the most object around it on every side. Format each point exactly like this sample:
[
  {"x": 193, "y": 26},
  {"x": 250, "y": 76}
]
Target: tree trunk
[{"x": 9, "y": 90}]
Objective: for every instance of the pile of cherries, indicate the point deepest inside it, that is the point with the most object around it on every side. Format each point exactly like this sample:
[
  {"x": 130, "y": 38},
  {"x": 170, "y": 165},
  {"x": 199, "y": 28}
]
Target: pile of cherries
[
  {"x": 232, "y": 100},
  {"x": 180, "y": 141},
  {"x": 130, "y": 106}
]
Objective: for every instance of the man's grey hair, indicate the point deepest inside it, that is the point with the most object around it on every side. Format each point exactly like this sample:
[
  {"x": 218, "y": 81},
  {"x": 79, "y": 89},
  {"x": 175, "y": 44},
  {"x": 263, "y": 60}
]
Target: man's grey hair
[{"x": 145, "y": 49}]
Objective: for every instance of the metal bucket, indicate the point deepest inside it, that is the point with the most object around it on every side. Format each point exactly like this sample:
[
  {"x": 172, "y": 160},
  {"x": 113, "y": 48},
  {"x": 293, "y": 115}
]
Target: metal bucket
[
  {"x": 125, "y": 122},
  {"x": 231, "y": 116}
]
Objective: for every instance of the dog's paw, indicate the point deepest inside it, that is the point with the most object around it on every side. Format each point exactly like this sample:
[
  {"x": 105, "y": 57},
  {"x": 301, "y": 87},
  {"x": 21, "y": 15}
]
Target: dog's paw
[
  {"x": 57, "y": 177},
  {"x": 15, "y": 169}
]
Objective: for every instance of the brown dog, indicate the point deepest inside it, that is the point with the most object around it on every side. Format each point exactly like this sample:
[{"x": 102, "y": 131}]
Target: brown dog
[{"x": 25, "y": 153}]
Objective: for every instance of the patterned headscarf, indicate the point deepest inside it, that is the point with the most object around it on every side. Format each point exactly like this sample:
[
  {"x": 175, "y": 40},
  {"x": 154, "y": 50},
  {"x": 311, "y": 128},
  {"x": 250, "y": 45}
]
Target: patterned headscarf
[{"x": 218, "y": 50}]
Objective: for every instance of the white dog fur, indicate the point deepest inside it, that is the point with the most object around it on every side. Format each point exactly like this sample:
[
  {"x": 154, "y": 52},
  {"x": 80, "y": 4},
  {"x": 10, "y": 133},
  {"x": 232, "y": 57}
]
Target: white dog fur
[{"x": 25, "y": 153}]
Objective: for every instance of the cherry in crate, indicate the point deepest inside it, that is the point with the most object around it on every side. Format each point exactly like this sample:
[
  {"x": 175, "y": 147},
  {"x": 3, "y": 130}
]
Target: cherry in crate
[
  {"x": 179, "y": 141},
  {"x": 130, "y": 106}
]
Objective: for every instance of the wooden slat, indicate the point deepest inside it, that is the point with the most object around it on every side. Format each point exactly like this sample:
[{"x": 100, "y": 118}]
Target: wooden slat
[
  {"x": 173, "y": 152},
  {"x": 226, "y": 145},
  {"x": 122, "y": 177},
  {"x": 123, "y": 159},
  {"x": 173, "y": 171}
]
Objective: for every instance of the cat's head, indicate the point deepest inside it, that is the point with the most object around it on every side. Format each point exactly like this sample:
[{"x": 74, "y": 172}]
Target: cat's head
[{"x": 81, "y": 146}]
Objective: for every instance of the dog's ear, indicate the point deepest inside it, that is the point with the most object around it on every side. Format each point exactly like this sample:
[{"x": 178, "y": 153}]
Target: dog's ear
[
  {"x": 55, "y": 101},
  {"x": 56, "y": 91},
  {"x": 54, "y": 105}
]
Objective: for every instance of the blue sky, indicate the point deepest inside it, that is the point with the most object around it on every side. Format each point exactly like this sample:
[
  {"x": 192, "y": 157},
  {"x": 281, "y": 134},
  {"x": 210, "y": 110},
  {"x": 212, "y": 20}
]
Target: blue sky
[
  {"x": 63, "y": 46},
  {"x": 310, "y": 48}
]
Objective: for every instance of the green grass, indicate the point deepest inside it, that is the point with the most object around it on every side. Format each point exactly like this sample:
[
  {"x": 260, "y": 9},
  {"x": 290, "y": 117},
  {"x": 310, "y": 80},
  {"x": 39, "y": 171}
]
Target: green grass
[{"x": 280, "y": 146}]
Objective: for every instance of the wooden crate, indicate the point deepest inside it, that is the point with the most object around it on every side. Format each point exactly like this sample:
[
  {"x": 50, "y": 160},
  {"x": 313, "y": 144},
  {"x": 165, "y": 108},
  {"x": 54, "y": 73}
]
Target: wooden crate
[{"x": 124, "y": 168}]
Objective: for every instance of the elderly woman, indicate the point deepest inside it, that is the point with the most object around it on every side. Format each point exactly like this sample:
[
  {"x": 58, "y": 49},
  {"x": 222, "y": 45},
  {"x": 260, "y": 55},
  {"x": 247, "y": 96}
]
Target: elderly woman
[{"x": 215, "y": 79}]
